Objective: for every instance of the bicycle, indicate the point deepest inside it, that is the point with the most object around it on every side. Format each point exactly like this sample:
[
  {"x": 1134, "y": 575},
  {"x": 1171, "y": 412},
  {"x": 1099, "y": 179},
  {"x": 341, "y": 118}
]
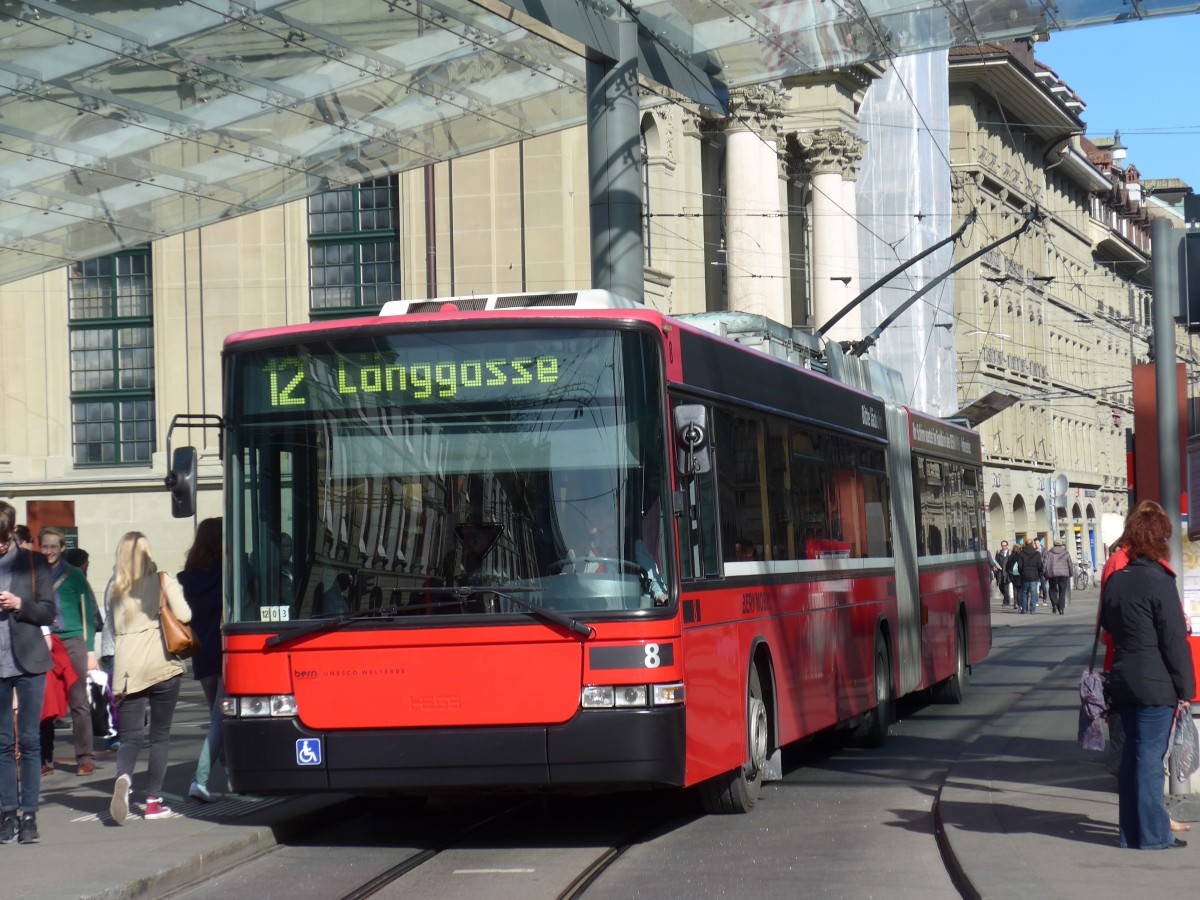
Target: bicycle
[{"x": 1083, "y": 575}]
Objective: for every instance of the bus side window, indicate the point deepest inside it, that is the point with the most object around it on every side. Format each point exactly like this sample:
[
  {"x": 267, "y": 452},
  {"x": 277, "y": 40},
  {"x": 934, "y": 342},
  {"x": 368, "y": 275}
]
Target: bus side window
[
  {"x": 780, "y": 527},
  {"x": 932, "y": 514},
  {"x": 809, "y": 495},
  {"x": 740, "y": 479},
  {"x": 698, "y": 529},
  {"x": 877, "y": 516}
]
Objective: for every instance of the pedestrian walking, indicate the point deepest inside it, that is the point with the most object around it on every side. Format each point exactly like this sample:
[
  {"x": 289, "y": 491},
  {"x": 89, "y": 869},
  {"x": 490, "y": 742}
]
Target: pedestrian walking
[
  {"x": 1000, "y": 564},
  {"x": 1029, "y": 564},
  {"x": 1044, "y": 582},
  {"x": 1152, "y": 674},
  {"x": 144, "y": 673},
  {"x": 1014, "y": 572},
  {"x": 26, "y": 605},
  {"x": 201, "y": 583},
  {"x": 77, "y": 607},
  {"x": 1058, "y": 569}
]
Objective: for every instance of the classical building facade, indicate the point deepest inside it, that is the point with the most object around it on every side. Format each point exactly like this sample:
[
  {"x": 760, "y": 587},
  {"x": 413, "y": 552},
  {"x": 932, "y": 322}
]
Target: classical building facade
[
  {"x": 105, "y": 354},
  {"x": 757, "y": 212},
  {"x": 1058, "y": 315}
]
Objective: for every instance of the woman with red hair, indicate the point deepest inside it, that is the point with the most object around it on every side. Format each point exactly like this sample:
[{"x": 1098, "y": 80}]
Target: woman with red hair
[{"x": 1151, "y": 673}]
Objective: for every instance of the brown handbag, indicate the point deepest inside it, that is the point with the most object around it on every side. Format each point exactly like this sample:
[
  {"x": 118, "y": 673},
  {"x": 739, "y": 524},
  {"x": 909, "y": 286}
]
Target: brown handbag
[{"x": 179, "y": 638}]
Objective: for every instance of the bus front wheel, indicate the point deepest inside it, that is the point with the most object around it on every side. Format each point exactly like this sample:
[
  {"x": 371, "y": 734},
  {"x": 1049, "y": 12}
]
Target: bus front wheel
[{"x": 737, "y": 790}]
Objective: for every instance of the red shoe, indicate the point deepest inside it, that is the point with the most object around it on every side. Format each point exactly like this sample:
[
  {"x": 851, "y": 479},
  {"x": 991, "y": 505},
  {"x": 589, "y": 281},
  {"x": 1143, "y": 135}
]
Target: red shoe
[
  {"x": 156, "y": 809},
  {"x": 47, "y": 768}
]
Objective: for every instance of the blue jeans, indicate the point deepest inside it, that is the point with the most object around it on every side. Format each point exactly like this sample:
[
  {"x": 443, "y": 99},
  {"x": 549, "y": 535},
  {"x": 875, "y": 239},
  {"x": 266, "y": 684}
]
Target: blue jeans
[
  {"x": 30, "y": 691},
  {"x": 1145, "y": 824},
  {"x": 1029, "y": 595},
  {"x": 212, "y": 751}
]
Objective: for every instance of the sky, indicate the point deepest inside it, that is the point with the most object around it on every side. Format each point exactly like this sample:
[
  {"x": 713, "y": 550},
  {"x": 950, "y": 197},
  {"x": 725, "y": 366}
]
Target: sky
[{"x": 1138, "y": 78}]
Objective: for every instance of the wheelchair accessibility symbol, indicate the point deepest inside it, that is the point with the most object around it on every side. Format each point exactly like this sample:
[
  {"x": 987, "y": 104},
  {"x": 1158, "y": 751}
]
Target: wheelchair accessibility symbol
[{"x": 308, "y": 752}]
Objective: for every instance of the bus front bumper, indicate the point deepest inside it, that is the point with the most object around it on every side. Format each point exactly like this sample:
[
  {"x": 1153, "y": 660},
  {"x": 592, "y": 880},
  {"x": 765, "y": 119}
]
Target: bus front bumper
[{"x": 610, "y": 748}]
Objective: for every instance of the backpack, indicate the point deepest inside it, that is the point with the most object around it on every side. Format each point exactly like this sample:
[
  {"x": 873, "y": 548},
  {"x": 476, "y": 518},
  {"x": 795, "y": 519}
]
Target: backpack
[{"x": 1014, "y": 567}]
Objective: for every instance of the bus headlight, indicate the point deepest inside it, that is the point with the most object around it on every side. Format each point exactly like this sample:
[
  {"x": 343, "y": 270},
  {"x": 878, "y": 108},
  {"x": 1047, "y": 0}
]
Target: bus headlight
[
  {"x": 597, "y": 696},
  {"x": 259, "y": 707},
  {"x": 630, "y": 696}
]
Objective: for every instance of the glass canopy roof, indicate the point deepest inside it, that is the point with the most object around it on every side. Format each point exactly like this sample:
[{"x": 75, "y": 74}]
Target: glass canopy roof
[{"x": 124, "y": 121}]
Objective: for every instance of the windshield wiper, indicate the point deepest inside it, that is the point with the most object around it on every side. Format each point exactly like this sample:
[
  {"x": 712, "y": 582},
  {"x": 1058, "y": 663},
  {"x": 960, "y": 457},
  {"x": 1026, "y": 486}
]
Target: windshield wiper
[
  {"x": 460, "y": 593},
  {"x": 381, "y": 612},
  {"x": 465, "y": 592}
]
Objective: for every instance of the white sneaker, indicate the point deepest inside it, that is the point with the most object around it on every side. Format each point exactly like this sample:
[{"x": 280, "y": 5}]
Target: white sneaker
[
  {"x": 119, "y": 807},
  {"x": 199, "y": 792}
]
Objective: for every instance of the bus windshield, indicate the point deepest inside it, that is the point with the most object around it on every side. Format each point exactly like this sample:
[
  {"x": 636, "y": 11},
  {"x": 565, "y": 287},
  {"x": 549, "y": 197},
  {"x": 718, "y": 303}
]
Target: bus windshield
[{"x": 389, "y": 472}]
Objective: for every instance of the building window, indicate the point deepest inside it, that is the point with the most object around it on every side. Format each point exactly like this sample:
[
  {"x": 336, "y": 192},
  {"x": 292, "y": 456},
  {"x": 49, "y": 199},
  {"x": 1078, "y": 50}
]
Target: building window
[
  {"x": 111, "y": 325},
  {"x": 354, "y": 249}
]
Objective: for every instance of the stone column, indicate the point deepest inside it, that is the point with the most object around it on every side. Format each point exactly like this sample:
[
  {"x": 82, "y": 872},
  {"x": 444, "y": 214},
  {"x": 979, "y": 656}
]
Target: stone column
[
  {"x": 831, "y": 157},
  {"x": 756, "y": 276}
]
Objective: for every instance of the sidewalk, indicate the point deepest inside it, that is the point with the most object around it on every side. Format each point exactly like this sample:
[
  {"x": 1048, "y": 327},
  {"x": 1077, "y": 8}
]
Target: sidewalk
[
  {"x": 83, "y": 854},
  {"x": 1026, "y": 813}
]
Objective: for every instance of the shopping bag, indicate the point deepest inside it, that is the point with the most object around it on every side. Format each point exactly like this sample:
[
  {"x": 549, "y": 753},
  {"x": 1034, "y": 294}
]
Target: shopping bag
[
  {"x": 104, "y": 714},
  {"x": 1091, "y": 710},
  {"x": 1185, "y": 746}
]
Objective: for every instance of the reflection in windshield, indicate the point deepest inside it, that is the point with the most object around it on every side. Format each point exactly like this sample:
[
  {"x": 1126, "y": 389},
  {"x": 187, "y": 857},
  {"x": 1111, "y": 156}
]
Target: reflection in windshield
[{"x": 350, "y": 510}]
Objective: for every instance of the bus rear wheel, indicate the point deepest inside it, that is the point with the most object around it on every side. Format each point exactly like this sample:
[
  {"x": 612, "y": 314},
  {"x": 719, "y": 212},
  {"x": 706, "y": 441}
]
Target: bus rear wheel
[
  {"x": 954, "y": 688},
  {"x": 737, "y": 790},
  {"x": 874, "y": 729}
]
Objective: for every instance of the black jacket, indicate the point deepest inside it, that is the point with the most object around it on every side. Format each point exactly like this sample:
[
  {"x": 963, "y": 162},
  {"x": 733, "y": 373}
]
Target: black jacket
[
  {"x": 37, "y": 609},
  {"x": 1031, "y": 563},
  {"x": 1152, "y": 665},
  {"x": 202, "y": 590}
]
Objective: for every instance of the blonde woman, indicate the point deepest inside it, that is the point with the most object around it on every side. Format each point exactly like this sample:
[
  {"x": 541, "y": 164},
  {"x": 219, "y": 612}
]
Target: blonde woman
[{"x": 144, "y": 673}]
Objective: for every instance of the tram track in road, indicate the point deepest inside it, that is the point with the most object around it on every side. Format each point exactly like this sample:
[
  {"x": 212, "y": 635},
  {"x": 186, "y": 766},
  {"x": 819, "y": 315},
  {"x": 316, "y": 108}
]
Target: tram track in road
[
  {"x": 526, "y": 847},
  {"x": 400, "y": 869},
  {"x": 578, "y": 861}
]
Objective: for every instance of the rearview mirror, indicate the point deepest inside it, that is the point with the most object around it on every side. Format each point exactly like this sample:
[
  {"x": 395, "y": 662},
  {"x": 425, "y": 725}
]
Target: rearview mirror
[
  {"x": 181, "y": 482},
  {"x": 691, "y": 438}
]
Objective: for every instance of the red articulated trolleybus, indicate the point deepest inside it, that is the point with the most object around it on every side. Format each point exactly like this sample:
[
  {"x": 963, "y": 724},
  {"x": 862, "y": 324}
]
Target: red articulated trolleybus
[{"x": 564, "y": 542}]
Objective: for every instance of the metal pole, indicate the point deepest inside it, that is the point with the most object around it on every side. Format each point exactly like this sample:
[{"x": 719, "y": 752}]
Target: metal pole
[
  {"x": 1165, "y": 303},
  {"x": 614, "y": 168}
]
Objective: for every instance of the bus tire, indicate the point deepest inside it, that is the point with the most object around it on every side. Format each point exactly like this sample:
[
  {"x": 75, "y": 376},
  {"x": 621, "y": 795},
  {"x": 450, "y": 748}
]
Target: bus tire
[
  {"x": 954, "y": 688},
  {"x": 737, "y": 790},
  {"x": 873, "y": 731}
]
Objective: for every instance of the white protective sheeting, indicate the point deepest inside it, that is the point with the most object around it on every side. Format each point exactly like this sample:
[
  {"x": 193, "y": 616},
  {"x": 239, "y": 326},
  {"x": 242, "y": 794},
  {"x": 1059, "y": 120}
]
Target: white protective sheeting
[{"x": 904, "y": 206}]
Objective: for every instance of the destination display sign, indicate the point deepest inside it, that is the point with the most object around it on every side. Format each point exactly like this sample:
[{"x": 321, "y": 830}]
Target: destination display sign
[
  {"x": 931, "y": 435},
  {"x": 420, "y": 369}
]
